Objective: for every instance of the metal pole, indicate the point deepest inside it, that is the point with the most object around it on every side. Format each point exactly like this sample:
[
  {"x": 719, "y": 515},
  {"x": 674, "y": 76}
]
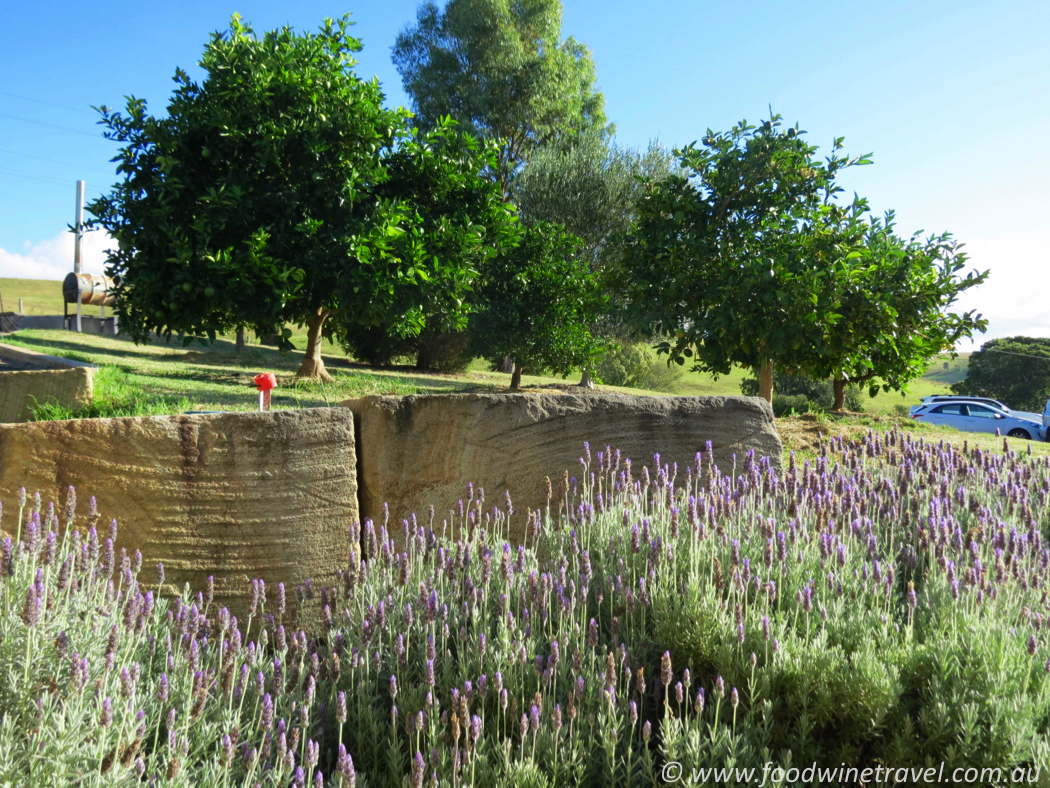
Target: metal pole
[{"x": 76, "y": 244}]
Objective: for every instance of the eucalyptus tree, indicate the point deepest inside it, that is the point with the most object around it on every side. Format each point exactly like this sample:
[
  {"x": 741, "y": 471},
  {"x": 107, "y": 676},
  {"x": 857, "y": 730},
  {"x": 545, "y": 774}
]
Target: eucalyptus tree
[{"x": 502, "y": 70}]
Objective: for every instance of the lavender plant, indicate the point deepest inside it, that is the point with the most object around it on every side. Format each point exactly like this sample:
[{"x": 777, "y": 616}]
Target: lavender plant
[{"x": 886, "y": 603}]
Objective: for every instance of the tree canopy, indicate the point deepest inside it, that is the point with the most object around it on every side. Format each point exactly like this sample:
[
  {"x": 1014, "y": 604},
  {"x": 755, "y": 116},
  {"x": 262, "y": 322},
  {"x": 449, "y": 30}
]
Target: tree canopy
[
  {"x": 591, "y": 188},
  {"x": 535, "y": 303},
  {"x": 734, "y": 258},
  {"x": 500, "y": 68},
  {"x": 281, "y": 190},
  {"x": 1014, "y": 370},
  {"x": 893, "y": 303}
]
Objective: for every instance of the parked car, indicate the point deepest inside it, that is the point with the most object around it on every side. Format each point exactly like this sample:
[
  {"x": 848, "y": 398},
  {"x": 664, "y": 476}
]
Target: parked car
[
  {"x": 950, "y": 398},
  {"x": 969, "y": 416}
]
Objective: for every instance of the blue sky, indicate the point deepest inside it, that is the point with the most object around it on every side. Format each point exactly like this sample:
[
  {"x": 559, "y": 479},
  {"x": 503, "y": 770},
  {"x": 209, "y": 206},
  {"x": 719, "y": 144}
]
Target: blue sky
[{"x": 953, "y": 99}]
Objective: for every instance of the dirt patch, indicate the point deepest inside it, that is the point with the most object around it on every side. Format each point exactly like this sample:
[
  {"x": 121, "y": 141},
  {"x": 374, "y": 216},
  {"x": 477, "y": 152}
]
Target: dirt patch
[{"x": 803, "y": 434}]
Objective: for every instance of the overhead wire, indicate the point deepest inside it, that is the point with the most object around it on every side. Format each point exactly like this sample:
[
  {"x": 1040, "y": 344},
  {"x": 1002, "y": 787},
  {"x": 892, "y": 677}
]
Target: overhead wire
[
  {"x": 55, "y": 161},
  {"x": 50, "y": 125},
  {"x": 47, "y": 103},
  {"x": 33, "y": 176},
  {"x": 1010, "y": 353}
]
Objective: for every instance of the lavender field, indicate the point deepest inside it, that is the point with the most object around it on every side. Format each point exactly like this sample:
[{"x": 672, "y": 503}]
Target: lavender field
[{"x": 885, "y": 604}]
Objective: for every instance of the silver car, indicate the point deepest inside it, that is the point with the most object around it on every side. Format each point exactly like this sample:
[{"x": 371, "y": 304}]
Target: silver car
[{"x": 969, "y": 416}]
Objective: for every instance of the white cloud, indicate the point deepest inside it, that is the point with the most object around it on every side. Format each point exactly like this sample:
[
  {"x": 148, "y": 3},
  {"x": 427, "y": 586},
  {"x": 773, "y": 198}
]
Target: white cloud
[{"x": 53, "y": 258}]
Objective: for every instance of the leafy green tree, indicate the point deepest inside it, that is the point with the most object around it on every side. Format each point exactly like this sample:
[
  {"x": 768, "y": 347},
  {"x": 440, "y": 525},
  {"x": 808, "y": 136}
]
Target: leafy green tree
[
  {"x": 591, "y": 188},
  {"x": 535, "y": 301},
  {"x": 893, "y": 302},
  {"x": 280, "y": 190},
  {"x": 501, "y": 69},
  {"x": 736, "y": 257},
  {"x": 1014, "y": 370},
  {"x": 457, "y": 220},
  {"x": 633, "y": 365}
]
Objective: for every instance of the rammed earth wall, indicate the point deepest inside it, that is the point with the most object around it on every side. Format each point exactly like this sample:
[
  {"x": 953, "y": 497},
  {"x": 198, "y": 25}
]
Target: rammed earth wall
[
  {"x": 234, "y": 495},
  {"x": 417, "y": 451}
]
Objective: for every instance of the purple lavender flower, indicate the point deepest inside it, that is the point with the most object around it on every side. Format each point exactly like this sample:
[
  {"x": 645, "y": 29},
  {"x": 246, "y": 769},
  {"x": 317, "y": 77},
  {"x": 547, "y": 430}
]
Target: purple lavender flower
[
  {"x": 106, "y": 715},
  {"x": 534, "y": 718},
  {"x": 698, "y": 704},
  {"x": 393, "y": 686}
]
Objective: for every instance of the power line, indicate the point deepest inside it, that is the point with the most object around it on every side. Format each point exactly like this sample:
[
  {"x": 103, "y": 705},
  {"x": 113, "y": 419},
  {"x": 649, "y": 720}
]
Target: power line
[
  {"x": 52, "y": 126},
  {"x": 47, "y": 103},
  {"x": 56, "y": 161},
  {"x": 33, "y": 176}
]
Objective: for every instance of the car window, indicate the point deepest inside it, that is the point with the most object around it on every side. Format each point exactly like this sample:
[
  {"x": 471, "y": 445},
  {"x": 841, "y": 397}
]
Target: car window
[
  {"x": 981, "y": 412},
  {"x": 955, "y": 409}
]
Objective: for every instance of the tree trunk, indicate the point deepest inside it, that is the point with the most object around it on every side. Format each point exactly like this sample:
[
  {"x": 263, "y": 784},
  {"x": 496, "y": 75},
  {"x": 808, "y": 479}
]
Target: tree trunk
[
  {"x": 840, "y": 394},
  {"x": 313, "y": 364},
  {"x": 515, "y": 379},
  {"x": 239, "y": 343},
  {"x": 765, "y": 382},
  {"x": 586, "y": 381}
]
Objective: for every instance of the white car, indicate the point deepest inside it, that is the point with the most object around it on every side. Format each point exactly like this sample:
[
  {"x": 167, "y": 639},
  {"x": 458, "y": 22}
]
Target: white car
[
  {"x": 992, "y": 403},
  {"x": 969, "y": 416}
]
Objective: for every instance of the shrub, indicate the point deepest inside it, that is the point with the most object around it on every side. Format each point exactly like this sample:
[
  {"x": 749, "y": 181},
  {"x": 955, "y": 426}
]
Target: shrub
[
  {"x": 819, "y": 394},
  {"x": 632, "y": 365},
  {"x": 791, "y": 404},
  {"x": 883, "y": 605}
]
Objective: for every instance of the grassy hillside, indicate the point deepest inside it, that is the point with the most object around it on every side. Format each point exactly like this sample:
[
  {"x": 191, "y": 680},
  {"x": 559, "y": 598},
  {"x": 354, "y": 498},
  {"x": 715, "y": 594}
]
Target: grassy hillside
[
  {"x": 163, "y": 379},
  {"x": 45, "y": 297},
  {"x": 39, "y": 296}
]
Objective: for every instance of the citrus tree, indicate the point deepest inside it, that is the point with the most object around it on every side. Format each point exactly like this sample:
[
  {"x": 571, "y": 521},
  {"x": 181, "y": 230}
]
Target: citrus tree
[
  {"x": 276, "y": 192},
  {"x": 735, "y": 259},
  {"x": 894, "y": 299},
  {"x": 535, "y": 302}
]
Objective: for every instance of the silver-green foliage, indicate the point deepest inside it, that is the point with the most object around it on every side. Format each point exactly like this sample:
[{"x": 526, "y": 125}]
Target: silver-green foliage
[{"x": 632, "y": 365}]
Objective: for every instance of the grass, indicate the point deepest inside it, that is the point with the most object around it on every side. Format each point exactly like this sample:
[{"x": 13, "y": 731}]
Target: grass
[
  {"x": 156, "y": 379},
  {"x": 39, "y": 296},
  {"x": 163, "y": 378},
  {"x": 45, "y": 297}
]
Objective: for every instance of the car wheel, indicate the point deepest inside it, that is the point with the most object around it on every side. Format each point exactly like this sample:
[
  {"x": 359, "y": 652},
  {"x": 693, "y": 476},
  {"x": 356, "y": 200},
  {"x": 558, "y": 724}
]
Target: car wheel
[{"x": 1019, "y": 433}]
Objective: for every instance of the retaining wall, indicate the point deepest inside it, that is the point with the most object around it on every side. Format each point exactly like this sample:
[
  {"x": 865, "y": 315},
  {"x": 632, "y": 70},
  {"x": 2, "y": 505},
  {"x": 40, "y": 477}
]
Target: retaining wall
[{"x": 234, "y": 495}]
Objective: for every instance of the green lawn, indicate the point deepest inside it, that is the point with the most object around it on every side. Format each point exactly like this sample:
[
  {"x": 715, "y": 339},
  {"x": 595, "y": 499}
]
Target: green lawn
[
  {"x": 217, "y": 377},
  {"x": 169, "y": 378}
]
